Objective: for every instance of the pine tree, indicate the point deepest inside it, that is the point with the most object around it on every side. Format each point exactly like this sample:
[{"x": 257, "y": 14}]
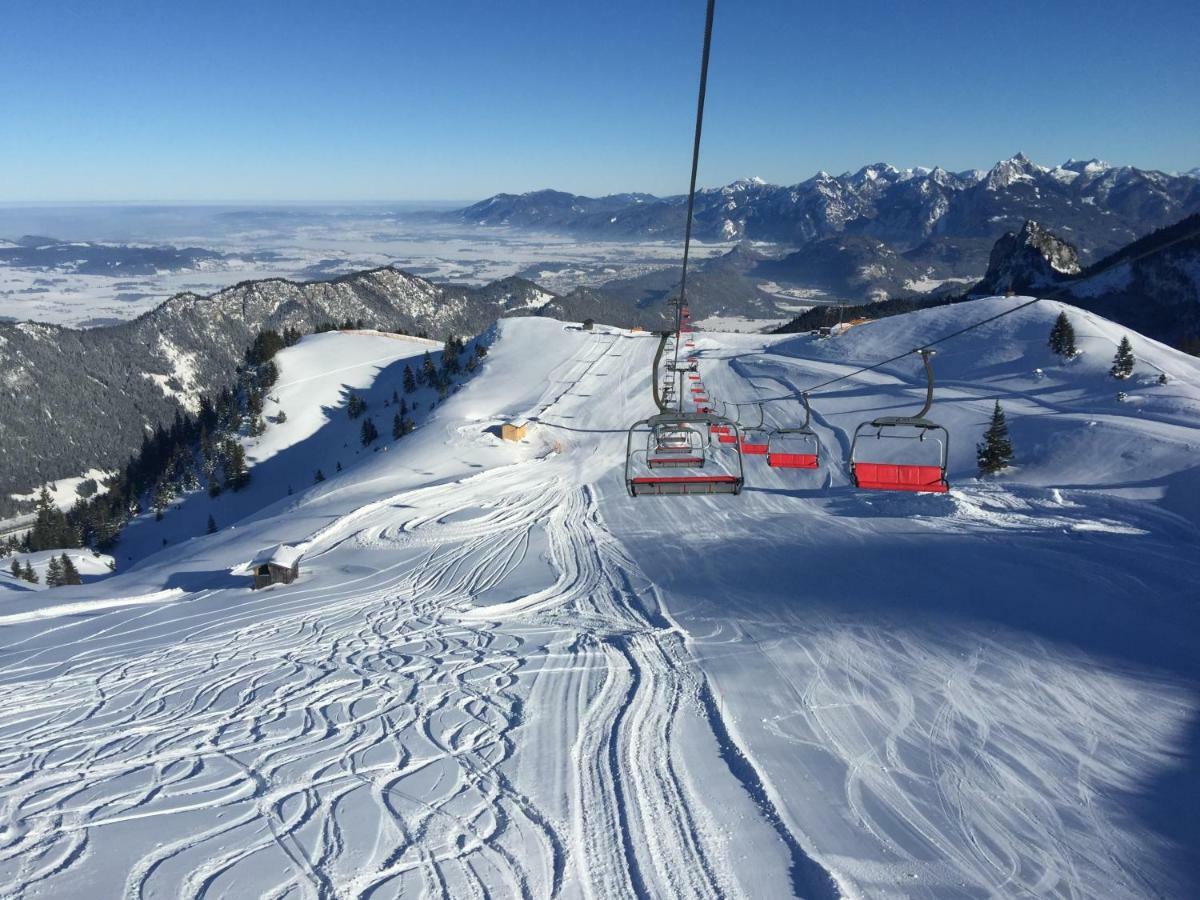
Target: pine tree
[
  {"x": 54, "y": 573},
  {"x": 480, "y": 351},
  {"x": 410, "y": 380},
  {"x": 339, "y": 465},
  {"x": 396, "y": 396},
  {"x": 28, "y": 574},
  {"x": 318, "y": 477},
  {"x": 280, "y": 418},
  {"x": 397, "y": 427},
  {"x": 15, "y": 568},
  {"x": 70, "y": 575},
  {"x": 1122, "y": 366},
  {"x": 356, "y": 406},
  {"x": 237, "y": 476},
  {"x": 369, "y": 432},
  {"x": 1062, "y": 337},
  {"x": 428, "y": 370},
  {"x": 212, "y": 525},
  {"x": 995, "y": 452}
]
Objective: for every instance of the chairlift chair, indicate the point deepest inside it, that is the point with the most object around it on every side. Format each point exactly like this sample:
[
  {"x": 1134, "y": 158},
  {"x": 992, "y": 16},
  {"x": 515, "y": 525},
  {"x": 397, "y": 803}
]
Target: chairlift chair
[
  {"x": 755, "y": 442},
  {"x": 680, "y": 447},
  {"x": 926, "y": 475},
  {"x": 795, "y": 448},
  {"x": 672, "y": 438}
]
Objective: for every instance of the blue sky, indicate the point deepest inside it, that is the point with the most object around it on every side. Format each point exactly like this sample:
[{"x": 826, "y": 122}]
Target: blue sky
[{"x": 459, "y": 99}]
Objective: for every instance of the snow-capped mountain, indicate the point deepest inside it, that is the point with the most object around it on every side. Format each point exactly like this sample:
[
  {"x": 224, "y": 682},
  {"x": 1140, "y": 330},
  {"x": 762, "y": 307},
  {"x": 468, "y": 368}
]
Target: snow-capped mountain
[
  {"x": 1101, "y": 207},
  {"x": 71, "y": 400}
]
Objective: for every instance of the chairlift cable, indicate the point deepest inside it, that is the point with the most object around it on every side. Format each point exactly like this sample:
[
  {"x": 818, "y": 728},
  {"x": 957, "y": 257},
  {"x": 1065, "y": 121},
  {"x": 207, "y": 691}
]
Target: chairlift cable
[{"x": 687, "y": 232}]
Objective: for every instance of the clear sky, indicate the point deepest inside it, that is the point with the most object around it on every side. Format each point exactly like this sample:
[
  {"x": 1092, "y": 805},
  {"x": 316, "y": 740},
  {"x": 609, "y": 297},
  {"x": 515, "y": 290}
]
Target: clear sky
[{"x": 459, "y": 99}]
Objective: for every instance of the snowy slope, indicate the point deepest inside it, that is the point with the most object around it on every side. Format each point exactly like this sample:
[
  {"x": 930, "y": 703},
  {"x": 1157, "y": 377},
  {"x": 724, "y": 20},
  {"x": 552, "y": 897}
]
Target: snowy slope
[{"x": 499, "y": 674}]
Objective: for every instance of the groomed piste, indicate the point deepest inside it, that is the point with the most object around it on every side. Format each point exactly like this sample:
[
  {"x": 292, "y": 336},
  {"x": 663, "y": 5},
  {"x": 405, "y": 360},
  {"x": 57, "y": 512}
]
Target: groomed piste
[{"x": 500, "y": 675}]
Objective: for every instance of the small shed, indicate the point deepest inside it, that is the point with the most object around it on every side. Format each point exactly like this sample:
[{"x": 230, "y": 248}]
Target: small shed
[
  {"x": 588, "y": 324},
  {"x": 277, "y": 565},
  {"x": 514, "y": 431}
]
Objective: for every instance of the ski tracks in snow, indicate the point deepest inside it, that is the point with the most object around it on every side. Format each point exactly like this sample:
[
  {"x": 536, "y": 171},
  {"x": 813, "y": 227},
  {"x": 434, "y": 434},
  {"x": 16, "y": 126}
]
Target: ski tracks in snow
[{"x": 356, "y": 736}]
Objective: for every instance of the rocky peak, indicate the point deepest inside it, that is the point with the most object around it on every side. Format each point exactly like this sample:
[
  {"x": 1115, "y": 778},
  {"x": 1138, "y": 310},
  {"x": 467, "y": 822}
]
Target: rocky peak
[{"x": 1028, "y": 259}]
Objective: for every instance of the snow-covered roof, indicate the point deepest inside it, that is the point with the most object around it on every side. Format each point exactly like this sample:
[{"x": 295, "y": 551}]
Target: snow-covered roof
[{"x": 280, "y": 555}]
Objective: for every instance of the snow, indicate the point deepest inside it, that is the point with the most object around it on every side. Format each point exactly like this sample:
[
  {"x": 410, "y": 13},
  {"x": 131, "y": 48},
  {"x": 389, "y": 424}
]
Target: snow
[
  {"x": 63, "y": 491},
  {"x": 501, "y": 675},
  {"x": 90, "y": 565},
  {"x": 925, "y": 284}
]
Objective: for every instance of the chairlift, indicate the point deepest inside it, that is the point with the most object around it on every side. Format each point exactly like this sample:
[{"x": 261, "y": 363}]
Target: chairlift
[
  {"x": 675, "y": 440},
  {"x": 795, "y": 448},
  {"x": 925, "y": 474},
  {"x": 675, "y": 446},
  {"x": 755, "y": 442}
]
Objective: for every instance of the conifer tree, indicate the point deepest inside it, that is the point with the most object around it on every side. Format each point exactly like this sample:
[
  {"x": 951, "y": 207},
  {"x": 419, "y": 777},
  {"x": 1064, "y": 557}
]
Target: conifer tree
[
  {"x": 28, "y": 574},
  {"x": 410, "y": 380},
  {"x": 237, "y": 476},
  {"x": 70, "y": 575},
  {"x": 1062, "y": 337},
  {"x": 356, "y": 406},
  {"x": 54, "y": 572},
  {"x": 369, "y": 432},
  {"x": 339, "y": 465},
  {"x": 318, "y": 476},
  {"x": 281, "y": 417},
  {"x": 1123, "y": 361},
  {"x": 428, "y": 370},
  {"x": 212, "y": 525},
  {"x": 15, "y": 568},
  {"x": 995, "y": 452},
  {"x": 397, "y": 427}
]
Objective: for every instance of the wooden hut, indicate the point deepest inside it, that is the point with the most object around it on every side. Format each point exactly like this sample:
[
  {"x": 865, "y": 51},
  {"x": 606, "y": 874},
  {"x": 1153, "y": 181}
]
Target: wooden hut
[
  {"x": 514, "y": 431},
  {"x": 278, "y": 565}
]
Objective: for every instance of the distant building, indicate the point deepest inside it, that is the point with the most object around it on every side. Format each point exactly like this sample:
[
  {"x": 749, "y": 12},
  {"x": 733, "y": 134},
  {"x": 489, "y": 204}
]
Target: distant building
[
  {"x": 278, "y": 565},
  {"x": 514, "y": 431}
]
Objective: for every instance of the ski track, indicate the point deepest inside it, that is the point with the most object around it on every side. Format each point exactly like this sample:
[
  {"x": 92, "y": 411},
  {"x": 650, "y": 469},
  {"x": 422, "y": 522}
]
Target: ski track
[{"x": 353, "y": 737}]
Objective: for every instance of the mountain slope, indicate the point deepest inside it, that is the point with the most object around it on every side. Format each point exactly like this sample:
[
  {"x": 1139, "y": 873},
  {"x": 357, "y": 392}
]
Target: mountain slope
[
  {"x": 499, "y": 673},
  {"x": 72, "y": 400}
]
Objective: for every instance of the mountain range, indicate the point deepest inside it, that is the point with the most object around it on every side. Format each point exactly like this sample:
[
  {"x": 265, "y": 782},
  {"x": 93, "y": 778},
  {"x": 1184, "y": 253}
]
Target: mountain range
[
  {"x": 881, "y": 230},
  {"x": 1101, "y": 206}
]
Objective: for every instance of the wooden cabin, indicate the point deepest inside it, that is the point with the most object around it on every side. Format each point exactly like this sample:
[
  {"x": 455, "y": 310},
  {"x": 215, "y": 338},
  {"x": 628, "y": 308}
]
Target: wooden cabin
[
  {"x": 514, "y": 431},
  {"x": 278, "y": 565}
]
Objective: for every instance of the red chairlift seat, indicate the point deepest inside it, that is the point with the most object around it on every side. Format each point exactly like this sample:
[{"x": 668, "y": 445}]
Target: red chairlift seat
[
  {"x": 888, "y": 477},
  {"x": 891, "y": 475},
  {"x": 685, "y": 484},
  {"x": 795, "y": 448}
]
